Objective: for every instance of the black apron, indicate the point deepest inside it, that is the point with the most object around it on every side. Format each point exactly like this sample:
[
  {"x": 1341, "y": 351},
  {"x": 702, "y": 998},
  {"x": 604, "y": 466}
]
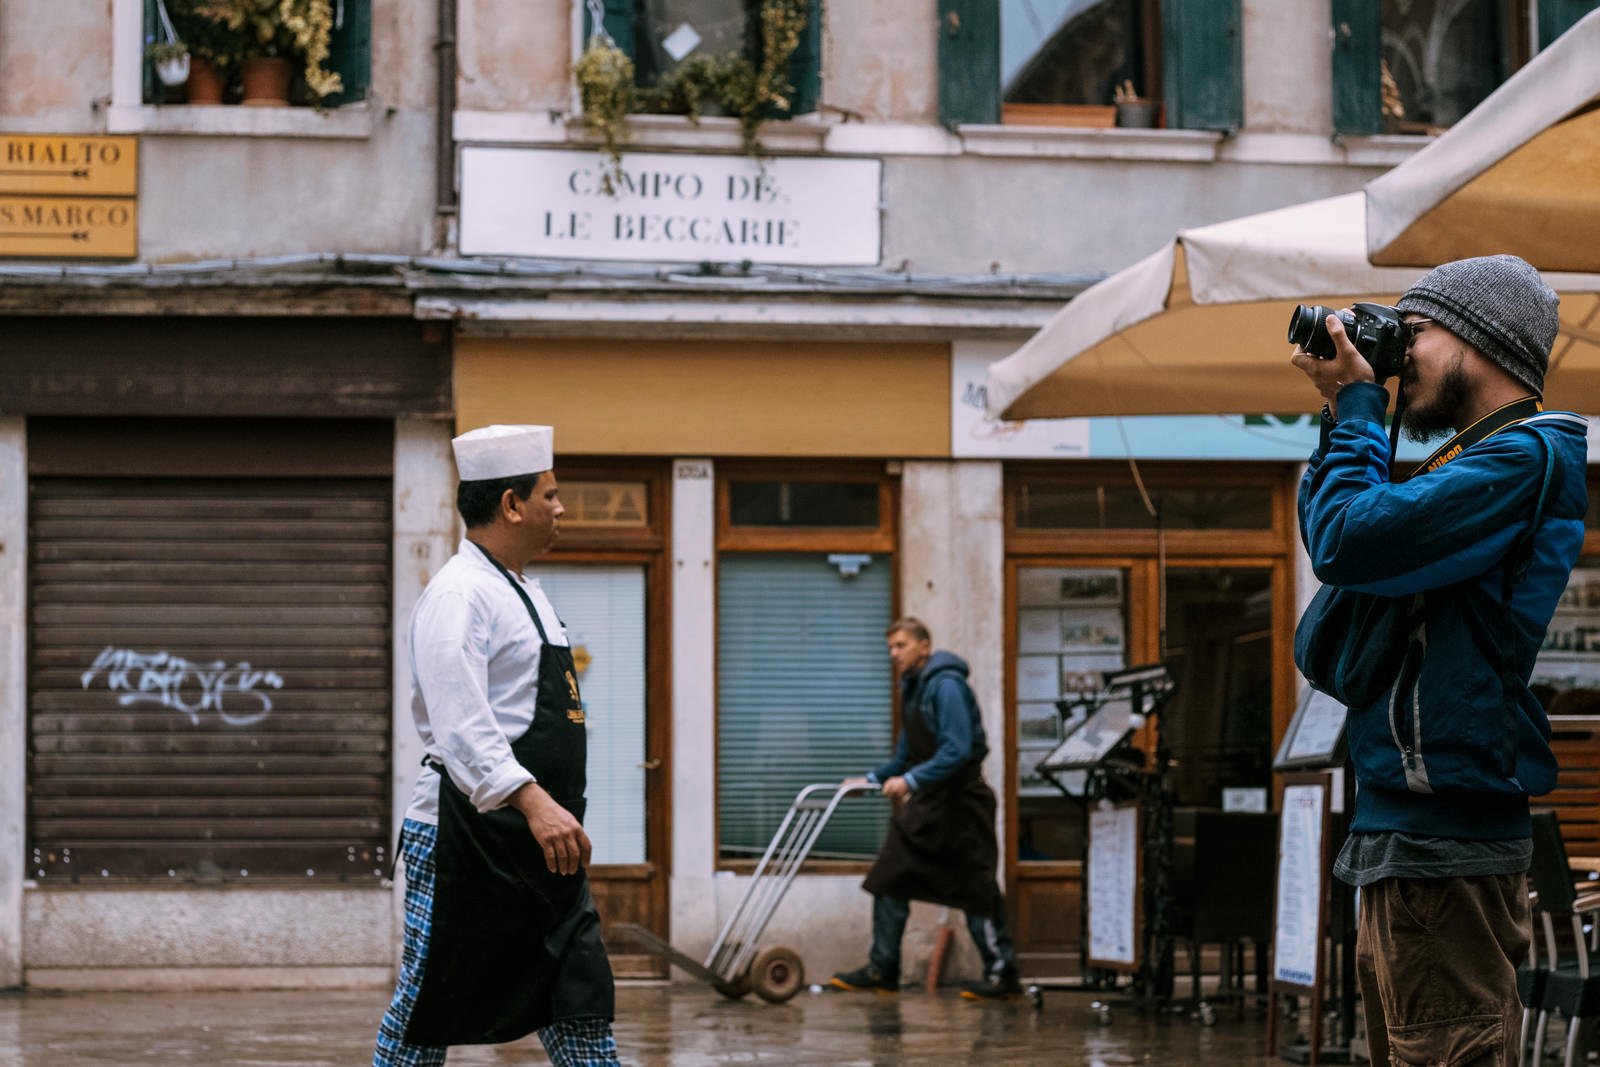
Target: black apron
[
  {"x": 514, "y": 946},
  {"x": 941, "y": 844}
]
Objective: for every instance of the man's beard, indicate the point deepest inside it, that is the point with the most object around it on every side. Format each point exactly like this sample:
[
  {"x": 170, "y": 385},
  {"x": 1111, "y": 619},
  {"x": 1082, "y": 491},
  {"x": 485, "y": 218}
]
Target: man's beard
[{"x": 1438, "y": 419}]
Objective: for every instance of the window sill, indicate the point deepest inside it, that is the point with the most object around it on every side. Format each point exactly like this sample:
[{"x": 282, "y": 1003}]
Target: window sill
[
  {"x": 644, "y": 132},
  {"x": 1057, "y": 142},
  {"x": 352, "y": 122}
]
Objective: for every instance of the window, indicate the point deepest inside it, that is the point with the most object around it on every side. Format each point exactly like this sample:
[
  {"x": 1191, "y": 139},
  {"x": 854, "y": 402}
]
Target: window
[
  {"x": 350, "y": 53},
  {"x": 661, "y": 34},
  {"x": 805, "y": 588},
  {"x": 1418, "y": 66},
  {"x": 1063, "y": 62}
]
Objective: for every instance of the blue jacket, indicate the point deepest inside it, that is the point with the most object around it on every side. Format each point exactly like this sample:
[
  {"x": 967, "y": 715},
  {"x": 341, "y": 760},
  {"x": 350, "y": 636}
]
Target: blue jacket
[
  {"x": 940, "y": 696},
  {"x": 1447, "y": 752}
]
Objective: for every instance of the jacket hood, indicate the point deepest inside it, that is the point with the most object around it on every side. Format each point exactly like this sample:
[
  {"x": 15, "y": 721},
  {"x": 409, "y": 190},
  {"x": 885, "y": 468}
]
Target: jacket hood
[{"x": 939, "y": 663}]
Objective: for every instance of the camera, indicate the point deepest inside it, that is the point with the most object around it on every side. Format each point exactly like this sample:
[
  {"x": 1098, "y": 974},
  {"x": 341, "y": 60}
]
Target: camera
[{"x": 1376, "y": 330}]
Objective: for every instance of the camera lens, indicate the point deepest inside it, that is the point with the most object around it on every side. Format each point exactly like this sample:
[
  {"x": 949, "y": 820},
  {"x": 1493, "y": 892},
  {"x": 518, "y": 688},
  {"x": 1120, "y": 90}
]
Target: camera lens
[{"x": 1308, "y": 328}]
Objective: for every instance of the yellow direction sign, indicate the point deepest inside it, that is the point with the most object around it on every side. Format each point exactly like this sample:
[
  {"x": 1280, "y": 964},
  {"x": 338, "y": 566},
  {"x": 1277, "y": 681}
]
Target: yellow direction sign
[
  {"x": 54, "y": 164},
  {"x": 69, "y": 227}
]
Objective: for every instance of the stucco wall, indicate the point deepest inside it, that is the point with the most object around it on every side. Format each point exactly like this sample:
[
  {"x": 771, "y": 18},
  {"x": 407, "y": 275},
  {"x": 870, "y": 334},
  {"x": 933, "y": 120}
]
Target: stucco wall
[{"x": 515, "y": 55}]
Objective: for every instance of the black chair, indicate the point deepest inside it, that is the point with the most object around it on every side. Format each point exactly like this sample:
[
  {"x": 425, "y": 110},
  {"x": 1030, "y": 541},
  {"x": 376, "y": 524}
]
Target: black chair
[{"x": 1568, "y": 987}]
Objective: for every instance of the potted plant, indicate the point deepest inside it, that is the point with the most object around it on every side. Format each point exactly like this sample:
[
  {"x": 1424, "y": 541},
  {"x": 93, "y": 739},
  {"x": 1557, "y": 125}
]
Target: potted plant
[
  {"x": 171, "y": 60},
  {"x": 1134, "y": 110},
  {"x": 272, "y": 36}
]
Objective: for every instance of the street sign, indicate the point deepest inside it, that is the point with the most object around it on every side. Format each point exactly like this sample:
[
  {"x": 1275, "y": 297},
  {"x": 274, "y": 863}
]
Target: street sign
[
  {"x": 69, "y": 227},
  {"x": 54, "y": 164}
]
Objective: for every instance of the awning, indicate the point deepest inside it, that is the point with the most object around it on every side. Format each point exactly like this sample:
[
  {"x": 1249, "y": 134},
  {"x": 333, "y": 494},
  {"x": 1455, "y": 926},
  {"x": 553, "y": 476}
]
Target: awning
[
  {"x": 1520, "y": 173},
  {"x": 1200, "y": 327}
]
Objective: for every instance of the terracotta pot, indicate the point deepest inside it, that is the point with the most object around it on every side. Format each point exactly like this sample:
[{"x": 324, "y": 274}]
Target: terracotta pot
[
  {"x": 205, "y": 81},
  {"x": 266, "y": 82}
]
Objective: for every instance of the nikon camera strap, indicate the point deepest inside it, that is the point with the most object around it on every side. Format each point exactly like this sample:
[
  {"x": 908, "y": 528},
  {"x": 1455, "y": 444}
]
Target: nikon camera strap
[{"x": 1484, "y": 428}]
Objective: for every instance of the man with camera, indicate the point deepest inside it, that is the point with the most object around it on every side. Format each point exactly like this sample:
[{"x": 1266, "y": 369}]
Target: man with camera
[{"x": 1460, "y": 564}]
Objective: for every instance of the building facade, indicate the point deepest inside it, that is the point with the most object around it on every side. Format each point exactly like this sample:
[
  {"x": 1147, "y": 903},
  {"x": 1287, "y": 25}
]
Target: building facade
[{"x": 227, "y": 473}]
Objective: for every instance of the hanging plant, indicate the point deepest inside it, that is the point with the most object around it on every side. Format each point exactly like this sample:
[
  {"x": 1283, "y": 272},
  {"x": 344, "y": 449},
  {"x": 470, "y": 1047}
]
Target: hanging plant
[
  {"x": 731, "y": 83},
  {"x": 605, "y": 88}
]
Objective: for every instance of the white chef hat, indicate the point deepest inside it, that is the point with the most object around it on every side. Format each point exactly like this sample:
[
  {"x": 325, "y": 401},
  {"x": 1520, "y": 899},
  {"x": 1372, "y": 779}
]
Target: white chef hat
[{"x": 504, "y": 452}]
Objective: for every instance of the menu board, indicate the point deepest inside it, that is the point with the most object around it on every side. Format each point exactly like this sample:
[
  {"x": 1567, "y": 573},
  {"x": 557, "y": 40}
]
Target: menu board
[
  {"x": 1315, "y": 737},
  {"x": 1302, "y": 883},
  {"x": 1094, "y": 738},
  {"x": 1112, "y": 894}
]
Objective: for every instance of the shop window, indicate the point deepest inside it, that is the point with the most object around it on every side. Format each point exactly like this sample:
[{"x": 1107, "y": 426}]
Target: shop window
[
  {"x": 1068, "y": 62},
  {"x": 805, "y": 694},
  {"x": 774, "y": 503},
  {"x": 1116, "y": 506},
  {"x": 349, "y": 51},
  {"x": 1418, "y": 66},
  {"x": 659, "y": 35},
  {"x": 1566, "y": 676}
]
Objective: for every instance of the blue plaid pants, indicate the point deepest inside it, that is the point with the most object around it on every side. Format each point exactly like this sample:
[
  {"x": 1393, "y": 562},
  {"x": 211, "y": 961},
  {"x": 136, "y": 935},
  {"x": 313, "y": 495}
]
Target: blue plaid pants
[{"x": 569, "y": 1042}]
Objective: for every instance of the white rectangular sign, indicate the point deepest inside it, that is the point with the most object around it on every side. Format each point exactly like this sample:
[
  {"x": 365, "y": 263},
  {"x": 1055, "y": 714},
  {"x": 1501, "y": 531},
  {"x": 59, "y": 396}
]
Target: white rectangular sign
[
  {"x": 671, "y": 208},
  {"x": 1297, "y": 926}
]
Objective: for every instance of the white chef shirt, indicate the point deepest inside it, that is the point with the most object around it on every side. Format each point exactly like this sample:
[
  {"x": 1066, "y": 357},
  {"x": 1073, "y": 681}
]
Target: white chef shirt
[{"x": 474, "y": 677}]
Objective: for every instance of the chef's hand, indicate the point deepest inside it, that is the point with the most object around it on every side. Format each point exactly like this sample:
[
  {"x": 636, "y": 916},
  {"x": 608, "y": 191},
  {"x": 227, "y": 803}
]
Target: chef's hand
[
  {"x": 1330, "y": 375},
  {"x": 896, "y": 788},
  {"x": 566, "y": 846}
]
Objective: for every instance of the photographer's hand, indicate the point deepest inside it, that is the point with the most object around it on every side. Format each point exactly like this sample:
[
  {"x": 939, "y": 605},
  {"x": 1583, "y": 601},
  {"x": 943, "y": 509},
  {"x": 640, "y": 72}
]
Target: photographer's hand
[{"x": 1331, "y": 375}]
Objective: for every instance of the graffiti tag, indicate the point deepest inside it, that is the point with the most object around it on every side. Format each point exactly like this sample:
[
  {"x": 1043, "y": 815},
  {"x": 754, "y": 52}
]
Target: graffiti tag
[{"x": 168, "y": 681}]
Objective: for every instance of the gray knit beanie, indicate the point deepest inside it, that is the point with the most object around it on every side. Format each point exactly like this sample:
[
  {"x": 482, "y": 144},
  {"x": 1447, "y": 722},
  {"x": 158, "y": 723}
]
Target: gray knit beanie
[{"x": 1498, "y": 305}]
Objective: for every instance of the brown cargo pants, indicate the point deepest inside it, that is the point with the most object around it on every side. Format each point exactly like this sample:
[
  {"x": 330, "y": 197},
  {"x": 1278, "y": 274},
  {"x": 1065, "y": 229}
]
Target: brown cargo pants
[{"x": 1437, "y": 961}]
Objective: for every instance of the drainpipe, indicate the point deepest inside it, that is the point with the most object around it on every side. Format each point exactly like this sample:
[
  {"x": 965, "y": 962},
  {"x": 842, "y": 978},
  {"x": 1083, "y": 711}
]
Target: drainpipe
[{"x": 445, "y": 140}]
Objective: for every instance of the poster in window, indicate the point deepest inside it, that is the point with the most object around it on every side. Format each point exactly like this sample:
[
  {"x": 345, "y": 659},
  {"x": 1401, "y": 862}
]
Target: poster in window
[
  {"x": 1038, "y": 678},
  {"x": 1039, "y": 630}
]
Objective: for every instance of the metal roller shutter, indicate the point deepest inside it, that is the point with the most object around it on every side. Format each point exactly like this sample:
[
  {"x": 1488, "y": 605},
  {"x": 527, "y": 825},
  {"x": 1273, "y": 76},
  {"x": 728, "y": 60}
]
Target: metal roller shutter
[{"x": 209, "y": 690}]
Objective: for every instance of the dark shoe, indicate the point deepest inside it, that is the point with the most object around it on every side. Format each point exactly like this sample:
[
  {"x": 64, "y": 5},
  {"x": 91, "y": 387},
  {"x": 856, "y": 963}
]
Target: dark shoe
[
  {"x": 866, "y": 979},
  {"x": 993, "y": 987}
]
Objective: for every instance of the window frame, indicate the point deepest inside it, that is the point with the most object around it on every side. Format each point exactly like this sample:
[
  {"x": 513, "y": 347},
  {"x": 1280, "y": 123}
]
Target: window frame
[
  {"x": 1356, "y": 80},
  {"x": 885, "y": 541},
  {"x": 128, "y": 113},
  {"x": 805, "y": 68},
  {"x": 1184, "y": 43}
]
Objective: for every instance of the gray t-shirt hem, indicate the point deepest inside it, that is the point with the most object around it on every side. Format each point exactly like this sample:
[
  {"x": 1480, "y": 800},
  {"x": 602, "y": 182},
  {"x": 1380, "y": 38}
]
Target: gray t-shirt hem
[{"x": 1371, "y": 857}]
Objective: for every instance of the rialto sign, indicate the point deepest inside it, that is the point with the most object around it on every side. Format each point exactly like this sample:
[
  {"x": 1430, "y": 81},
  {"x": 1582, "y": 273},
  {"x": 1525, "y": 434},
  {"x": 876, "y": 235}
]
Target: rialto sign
[{"x": 669, "y": 208}]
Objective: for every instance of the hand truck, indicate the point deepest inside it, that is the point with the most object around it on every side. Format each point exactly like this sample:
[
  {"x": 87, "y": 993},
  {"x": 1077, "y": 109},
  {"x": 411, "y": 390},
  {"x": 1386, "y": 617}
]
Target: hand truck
[{"x": 733, "y": 967}]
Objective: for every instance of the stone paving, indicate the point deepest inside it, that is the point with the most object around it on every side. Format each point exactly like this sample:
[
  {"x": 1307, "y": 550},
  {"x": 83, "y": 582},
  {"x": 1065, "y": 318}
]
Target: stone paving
[{"x": 657, "y": 1024}]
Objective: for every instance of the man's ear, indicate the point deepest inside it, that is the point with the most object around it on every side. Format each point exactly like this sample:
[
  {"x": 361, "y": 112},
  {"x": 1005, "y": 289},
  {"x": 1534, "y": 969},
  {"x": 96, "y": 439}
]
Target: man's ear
[{"x": 510, "y": 505}]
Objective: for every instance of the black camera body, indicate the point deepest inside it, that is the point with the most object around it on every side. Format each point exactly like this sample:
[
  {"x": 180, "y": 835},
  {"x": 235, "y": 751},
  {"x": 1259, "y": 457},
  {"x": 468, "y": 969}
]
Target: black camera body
[{"x": 1376, "y": 330}]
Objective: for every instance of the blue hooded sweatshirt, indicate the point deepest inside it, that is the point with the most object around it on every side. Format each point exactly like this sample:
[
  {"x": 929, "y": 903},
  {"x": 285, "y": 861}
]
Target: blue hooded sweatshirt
[
  {"x": 1448, "y": 751},
  {"x": 939, "y": 694}
]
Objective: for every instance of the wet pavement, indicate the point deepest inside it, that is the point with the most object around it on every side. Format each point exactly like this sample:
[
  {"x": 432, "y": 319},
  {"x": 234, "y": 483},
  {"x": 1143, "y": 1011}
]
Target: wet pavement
[{"x": 656, "y": 1024}]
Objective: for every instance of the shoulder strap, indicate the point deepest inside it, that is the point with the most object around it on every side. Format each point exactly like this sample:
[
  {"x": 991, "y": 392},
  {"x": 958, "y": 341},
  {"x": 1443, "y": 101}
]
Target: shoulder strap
[{"x": 1520, "y": 557}]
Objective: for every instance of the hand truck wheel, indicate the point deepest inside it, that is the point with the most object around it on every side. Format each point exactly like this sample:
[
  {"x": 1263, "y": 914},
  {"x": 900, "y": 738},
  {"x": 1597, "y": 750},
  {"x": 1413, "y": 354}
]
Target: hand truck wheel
[
  {"x": 778, "y": 974},
  {"x": 736, "y": 989}
]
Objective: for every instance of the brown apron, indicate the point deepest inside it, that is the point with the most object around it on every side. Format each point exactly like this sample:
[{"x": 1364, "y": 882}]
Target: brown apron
[{"x": 941, "y": 844}]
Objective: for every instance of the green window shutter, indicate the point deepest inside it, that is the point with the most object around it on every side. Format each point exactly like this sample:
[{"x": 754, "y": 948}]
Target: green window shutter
[
  {"x": 1202, "y": 64},
  {"x": 1557, "y": 17},
  {"x": 350, "y": 52},
  {"x": 805, "y": 66},
  {"x": 154, "y": 91},
  {"x": 1357, "y": 66},
  {"x": 803, "y": 695},
  {"x": 969, "y": 61},
  {"x": 618, "y": 21}
]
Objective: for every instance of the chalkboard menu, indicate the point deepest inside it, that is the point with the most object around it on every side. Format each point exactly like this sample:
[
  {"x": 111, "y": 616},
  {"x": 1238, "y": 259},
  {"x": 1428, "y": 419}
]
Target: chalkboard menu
[{"x": 1112, "y": 892}]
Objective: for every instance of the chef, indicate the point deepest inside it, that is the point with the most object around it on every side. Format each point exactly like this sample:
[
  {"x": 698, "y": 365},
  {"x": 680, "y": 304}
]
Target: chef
[{"x": 501, "y": 933}]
